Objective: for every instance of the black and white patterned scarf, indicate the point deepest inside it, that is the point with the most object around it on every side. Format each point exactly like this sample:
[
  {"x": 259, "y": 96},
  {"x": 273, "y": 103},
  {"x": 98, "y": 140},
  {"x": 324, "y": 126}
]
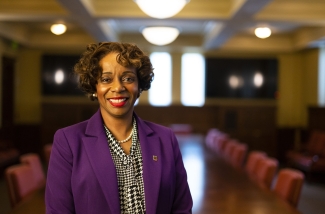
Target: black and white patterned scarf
[{"x": 129, "y": 173}]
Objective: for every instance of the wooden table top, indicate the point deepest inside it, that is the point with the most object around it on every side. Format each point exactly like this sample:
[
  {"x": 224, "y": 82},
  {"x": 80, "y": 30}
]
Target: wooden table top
[{"x": 219, "y": 188}]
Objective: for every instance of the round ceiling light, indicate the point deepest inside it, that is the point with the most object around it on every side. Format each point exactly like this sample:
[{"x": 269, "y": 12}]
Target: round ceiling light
[
  {"x": 58, "y": 29},
  {"x": 161, "y": 9},
  {"x": 160, "y": 35},
  {"x": 263, "y": 32}
]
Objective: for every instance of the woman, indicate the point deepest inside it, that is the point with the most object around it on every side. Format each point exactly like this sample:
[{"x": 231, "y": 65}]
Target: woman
[{"x": 115, "y": 162}]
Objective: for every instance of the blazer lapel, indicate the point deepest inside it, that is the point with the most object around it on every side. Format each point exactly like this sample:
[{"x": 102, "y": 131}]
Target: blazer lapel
[
  {"x": 152, "y": 165},
  {"x": 101, "y": 160}
]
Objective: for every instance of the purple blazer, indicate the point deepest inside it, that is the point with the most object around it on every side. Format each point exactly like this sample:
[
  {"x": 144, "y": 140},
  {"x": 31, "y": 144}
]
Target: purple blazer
[{"x": 82, "y": 179}]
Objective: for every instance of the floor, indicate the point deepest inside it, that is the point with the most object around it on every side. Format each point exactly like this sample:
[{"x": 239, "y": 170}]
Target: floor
[{"x": 312, "y": 199}]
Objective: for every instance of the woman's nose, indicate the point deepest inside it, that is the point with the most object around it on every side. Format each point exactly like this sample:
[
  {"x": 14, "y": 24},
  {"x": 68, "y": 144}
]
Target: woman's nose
[{"x": 117, "y": 86}]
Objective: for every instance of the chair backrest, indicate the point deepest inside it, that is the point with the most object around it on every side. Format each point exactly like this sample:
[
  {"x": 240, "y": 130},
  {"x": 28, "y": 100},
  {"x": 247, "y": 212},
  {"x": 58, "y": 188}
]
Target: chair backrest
[
  {"x": 238, "y": 155},
  {"x": 20, "y": 182},
  {"x": 251, "y": 162},
  {"x": 289, "y": 184},
  {"x": 229, "y": 149},
  {"x": 219, "y": 142},
  {"x": 210, "y": 136},
  {"x": 265, "y": 172},
  {"x": 34, "y": 161},
  {"x": 316, "y": 143},
  {"x": 47, "y": 152}
]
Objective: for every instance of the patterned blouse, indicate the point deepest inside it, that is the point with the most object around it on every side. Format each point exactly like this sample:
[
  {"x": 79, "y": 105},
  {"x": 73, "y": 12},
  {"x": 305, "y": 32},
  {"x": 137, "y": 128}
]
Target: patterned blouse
[{"x": 129, "y": 173}]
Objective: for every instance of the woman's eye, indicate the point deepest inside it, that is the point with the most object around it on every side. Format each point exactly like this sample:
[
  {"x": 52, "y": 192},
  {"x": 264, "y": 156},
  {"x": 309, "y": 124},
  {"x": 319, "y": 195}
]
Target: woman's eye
[
  {"x": 105, "y": 79},
  {"x": 128, "y": 79}
]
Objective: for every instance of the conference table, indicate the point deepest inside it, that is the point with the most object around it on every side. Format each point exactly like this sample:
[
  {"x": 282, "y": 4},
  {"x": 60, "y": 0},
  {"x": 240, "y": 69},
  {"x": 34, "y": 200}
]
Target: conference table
[{"x": 216, "y": 187}]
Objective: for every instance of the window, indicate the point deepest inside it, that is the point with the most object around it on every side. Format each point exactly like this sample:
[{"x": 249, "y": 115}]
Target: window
[
  {"x": 241, "y": 78},
  {"x": 58, "y": 78},
  {"x": 160, "y": 91},
  {"x": 193, "y": 80},
  {"x": 321, "y": 77}
]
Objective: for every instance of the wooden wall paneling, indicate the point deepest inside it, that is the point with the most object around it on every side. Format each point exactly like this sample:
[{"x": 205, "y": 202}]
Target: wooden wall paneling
[
  {"x": 253, "y": 125},
  {"x": 28, "y": 138},
  {"x": 258, "y": 123},
  {"x": 7, "y": 102},
  {"x": 285, "y": 142},
  {"x": 316, "y": 118},
  {"x": 55, "y": 116},
  {"x": 201, "y": 118}
]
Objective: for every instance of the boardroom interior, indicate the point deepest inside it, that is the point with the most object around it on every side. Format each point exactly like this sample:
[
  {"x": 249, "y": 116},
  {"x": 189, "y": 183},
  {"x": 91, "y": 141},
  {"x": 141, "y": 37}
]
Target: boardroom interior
[{"x": 277, "y": 117}]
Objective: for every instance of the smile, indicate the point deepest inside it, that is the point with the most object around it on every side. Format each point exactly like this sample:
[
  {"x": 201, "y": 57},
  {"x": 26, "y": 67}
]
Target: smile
[{"x": 117, "y": 102}]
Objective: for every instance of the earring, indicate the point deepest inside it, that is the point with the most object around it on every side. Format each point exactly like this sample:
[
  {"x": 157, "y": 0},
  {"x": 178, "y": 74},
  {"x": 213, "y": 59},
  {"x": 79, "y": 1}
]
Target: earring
[{"x": 94, "y": 95}]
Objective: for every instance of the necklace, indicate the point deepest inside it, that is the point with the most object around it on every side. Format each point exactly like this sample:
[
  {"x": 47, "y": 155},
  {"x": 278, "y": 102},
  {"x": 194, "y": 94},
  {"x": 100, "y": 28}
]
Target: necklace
[{"x": 127, "y": 139}]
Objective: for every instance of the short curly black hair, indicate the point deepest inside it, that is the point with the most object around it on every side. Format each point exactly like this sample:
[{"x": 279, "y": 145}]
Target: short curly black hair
[{"x": 129, "y": 55}]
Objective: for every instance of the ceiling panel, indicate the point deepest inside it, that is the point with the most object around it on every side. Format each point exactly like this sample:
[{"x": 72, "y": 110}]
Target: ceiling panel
[{"x": 213, "y": 23}]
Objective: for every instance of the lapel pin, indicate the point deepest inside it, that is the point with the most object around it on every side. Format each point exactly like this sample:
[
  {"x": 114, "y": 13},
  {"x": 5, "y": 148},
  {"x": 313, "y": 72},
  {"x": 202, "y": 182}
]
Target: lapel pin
[{"x": 155, "y": 158}]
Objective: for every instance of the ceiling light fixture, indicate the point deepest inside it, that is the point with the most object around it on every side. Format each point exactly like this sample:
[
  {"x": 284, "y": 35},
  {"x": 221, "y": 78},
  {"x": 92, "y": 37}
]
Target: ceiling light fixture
[
  {"x": 161, "y": 9},
  {"x": 263, "y": 32},
  {"x": 58, "y": 29},
  {"x": 160, "y": 35}
]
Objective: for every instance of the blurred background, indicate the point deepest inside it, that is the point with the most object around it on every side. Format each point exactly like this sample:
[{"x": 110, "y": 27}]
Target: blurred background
[
  {"x": 216, "y": 71},
  {"x": 291, "y": 61}
]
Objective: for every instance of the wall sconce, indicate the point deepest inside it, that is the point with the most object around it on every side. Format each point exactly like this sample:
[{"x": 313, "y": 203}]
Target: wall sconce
[
  {"x": 263, "y": 32},
  {"x": 160, "y": 35},
  {"x": 161, "y": 9},
  {"x": 58, "y": 29}
]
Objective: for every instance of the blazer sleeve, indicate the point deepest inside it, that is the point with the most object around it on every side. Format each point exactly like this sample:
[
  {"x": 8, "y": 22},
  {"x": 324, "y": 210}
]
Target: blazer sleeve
[
  {"x": 58, "y": 193},
  {"x": 183, "y": 200}
]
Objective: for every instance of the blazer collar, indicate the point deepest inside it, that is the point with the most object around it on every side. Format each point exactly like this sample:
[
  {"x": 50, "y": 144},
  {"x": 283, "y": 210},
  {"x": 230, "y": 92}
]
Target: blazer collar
[
  {"x": 95, "y": 125},
  {"x": 99, "y": 155}
]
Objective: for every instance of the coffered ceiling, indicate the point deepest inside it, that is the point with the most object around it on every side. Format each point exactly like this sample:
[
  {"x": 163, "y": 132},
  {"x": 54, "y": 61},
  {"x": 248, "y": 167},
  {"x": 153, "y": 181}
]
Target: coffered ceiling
[{"x": 206, "y": 25}]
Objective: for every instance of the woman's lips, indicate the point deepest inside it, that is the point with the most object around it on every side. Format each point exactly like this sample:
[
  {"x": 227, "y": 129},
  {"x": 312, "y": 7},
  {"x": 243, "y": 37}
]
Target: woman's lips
[{"x": 117, "y": 102}]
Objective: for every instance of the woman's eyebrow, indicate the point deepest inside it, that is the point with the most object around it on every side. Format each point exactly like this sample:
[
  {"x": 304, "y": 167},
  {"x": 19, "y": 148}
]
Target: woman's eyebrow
[
  {"x": 126, "y": 72},
  {"x": 107, "y": 72},
  {"x": 123, "y": 73}
]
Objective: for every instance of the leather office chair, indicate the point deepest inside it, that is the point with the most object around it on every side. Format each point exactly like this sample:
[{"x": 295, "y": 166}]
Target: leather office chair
[
  {"x": 251, "y": 162},
  {"x": 220, "y": 142},
  {"x": 238, "y": 155},
  {"x": 289, "y": 184},
  {"x": 265, "y": 172},
  {"x": 34, "y": 161},
  {"x": 209, "y": 138},
  {"x": 229, "y": 150},
  {"x": 20, "y": 182}
]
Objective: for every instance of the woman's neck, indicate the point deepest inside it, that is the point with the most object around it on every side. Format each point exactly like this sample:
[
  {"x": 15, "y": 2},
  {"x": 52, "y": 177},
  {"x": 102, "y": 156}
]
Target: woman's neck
[
  {"x": 119, "y": 127},
  {"x": 121, "y": 130}
]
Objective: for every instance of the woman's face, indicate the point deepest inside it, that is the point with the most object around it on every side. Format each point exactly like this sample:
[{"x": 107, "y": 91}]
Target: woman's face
[{"x": 117, "y": 88}]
